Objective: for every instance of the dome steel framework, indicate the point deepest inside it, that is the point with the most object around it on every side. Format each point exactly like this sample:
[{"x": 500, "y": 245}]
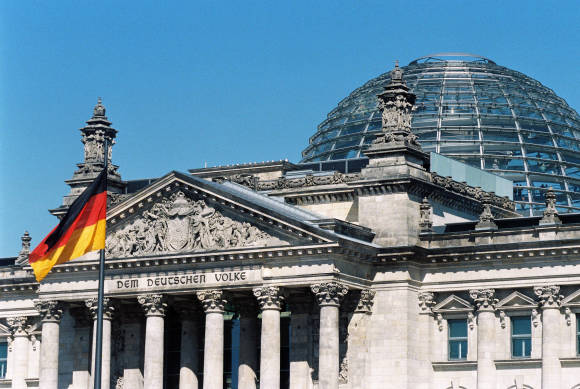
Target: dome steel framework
[{"x": 475, "y": 111}]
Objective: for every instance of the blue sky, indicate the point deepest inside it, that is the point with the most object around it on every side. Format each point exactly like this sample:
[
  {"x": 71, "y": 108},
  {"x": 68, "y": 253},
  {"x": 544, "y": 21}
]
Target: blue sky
[{"x": 188, "y": 83}]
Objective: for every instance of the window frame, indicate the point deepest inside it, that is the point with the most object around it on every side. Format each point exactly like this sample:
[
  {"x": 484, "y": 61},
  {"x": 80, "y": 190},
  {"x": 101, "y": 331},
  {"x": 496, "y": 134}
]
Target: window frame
[
  {"x": 4, "y": 361},
  {"x": 457, "y": 339},
  {"x": 520, "y": 337}
]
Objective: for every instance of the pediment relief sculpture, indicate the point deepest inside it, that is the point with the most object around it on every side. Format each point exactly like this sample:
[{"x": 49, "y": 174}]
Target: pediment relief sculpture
[{"x": 180, "y": 224}]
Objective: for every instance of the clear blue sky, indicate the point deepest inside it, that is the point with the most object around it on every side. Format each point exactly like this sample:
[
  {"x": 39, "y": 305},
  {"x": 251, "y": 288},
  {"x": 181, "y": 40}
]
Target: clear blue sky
[{"x": 221, "y": 82}]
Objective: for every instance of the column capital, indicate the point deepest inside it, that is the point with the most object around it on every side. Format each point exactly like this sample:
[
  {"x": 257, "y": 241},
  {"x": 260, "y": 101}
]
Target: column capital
[
  {"x": 18, "y": 326},
  {"x": 153, "y": 304},
  {"x": 212, "y": 300},
  {"x": 108, "y": 307},
  {"x": 426, "y": 302},
  {"x": 329, "y": 293},
  {"x": 549, "y": 296},
  {"x": 269, "y": 297},
  {"x": 50, "y": 310},
  {"x": 484, "y": 299},
  {"x": 365, "y": 301}
]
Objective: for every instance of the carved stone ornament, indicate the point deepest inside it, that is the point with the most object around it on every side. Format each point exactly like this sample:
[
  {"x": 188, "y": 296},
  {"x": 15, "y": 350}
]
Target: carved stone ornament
[
  {"x": 550, "y": 214},
  {"x": 568, "y": 316},
  {"x": 426, "y": 301},
  {"x": 179, "y": 224},
  {"x": 535, "y": 317},
  {"x": 502, "y": 319},
  {"x": 486, "y": 219},
  {"x": 425, "y": 221},
  {"x": 108, "y": 308},
  {"x": 50, "y": 310},
  {"x": 153, "y": 304},
  {"x": 439, "y": 319},
  {"x": 18, "y": 326},
  {"x": 212, "y": 300},
  {"x": 471, "y": 320},
  {"x": 329, "y": 293},
  {"x": 269, "y": 297},
  {"x": 120, "y": 383},
  {"x": 484, "y": 299},
  {"x": 365, "y": 301},
  {"x": 25, "y": 251},
  {"x": 549, "y": 296},
  {"x": 343, "y": 371}
]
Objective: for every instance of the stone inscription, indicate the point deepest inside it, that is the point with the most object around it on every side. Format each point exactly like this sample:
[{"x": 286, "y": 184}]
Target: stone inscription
[{"x": 182, "y": 281}]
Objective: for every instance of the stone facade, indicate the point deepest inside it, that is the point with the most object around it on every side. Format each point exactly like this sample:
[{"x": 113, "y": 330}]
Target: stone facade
[{"x": 392, "y": 277}]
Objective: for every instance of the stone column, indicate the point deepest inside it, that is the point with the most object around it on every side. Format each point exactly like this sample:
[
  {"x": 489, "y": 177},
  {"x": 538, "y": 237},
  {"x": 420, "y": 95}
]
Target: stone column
[
  {"x": 485, "y": 302},
  {"x": 329, "y": 296},
  {"x": 108, "y": 310},
  {"x": 550, "y": 301},
  {"x": 270, "y": 300},
  {"x": 358, "y": 348},
  {"x": 248, "y": 359},
  {"x": 19, "y": 330},
  {"x": 213, "y": 364},
  {"x": 301, "y": 341},
  {"x": 426, "y": 303},
  {"x": 154, "y": 306},
  {"x": 50, "y": 314},
  {"x": 190, "y": 314}
]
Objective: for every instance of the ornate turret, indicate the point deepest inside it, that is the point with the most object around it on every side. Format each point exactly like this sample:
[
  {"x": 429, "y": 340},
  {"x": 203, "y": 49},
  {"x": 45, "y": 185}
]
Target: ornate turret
[
  {"x": 98, "y": 129},
  {"x": 395, "y": 146}
]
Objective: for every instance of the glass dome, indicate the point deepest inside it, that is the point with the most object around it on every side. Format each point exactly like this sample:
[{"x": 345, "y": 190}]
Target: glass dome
[{"x": 475, "y": 111}]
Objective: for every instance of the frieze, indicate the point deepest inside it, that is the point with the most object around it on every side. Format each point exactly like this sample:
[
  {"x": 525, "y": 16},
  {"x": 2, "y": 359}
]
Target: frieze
[
  {"x": 179, "y": 224},
  {"x": 182, "y": 281},
  {"x": 290, "y": 183}
]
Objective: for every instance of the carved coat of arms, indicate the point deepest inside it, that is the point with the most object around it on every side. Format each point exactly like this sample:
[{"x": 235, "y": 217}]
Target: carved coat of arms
[{"x": 181, "y": 224}]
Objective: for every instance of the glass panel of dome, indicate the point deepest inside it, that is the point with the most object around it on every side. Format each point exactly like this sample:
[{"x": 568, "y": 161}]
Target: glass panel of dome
[
  {"x": 504, "y": 163},
  {"x": 471, "y": 161},
  {"x": 566, "y": 131},
  {"x": 347, "y": 142},
  {"x": 502, "y": 149},
  {"x": 424, "y": 121},
  {"x": 459, "y": 121},
  {"x": 569, "y": 157},
  {"x": 496, "y": 121},
  {"x": 572, "y": 171},
  {"x": 500, "y": 136},
  {"x": 542, "y": 166},
  {"x": 536, "y": 138},
  {"x": 535, "y": 152},
  {"x": 353, "y": 129},
  {"x": 575, "y": 198},
  {"x": 374, "y": 125},
  {"x": 458, "y": 134},
  {"x": 345, "y": 154},
  {"x": 458, "y": 148},
  {"x": 527, "y": 112},
  {"x": 533, "y": 125}
]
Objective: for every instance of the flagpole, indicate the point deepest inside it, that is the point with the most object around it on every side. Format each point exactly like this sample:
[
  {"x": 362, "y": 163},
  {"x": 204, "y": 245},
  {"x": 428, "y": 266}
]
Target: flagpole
[{"x": 99, "y": 340}]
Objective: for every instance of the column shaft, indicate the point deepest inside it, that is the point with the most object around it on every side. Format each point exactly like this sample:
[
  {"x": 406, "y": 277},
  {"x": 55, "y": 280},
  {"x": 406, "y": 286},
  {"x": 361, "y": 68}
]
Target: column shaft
[
  {"x": 20, "y": 364},
  {"x": 485, "y": 350},
  {"x": 328, "y": 356},
  {"x": 154, "y": 349},
  {"x": 270, "y": 349},
  {"x": 49, "y": 355},
  {"x": 247, "y": 368},
  {"x": 189, "y": 355},
  {"x": 106, "y": 355},
  {"x": 550, "y": 348},
  {"x": 213, "y": 364}
]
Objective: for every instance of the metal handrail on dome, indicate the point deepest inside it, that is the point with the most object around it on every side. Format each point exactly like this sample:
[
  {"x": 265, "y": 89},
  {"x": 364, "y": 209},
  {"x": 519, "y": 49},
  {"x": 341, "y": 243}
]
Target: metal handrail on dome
[{"x": 438, "y": 56}]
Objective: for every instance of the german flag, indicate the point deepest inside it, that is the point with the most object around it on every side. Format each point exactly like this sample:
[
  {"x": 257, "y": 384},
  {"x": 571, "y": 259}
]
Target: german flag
[{"x": 80, "y": 231}]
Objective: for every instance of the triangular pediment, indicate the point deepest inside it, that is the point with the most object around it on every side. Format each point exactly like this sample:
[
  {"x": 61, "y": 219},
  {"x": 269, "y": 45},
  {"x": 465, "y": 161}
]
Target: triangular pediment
[
  {"x": 572, "y": 300},
  {"x": 179, "y": 213},
  {"x": 516, "y": 300},
  {"x": 4, "y": 331},
  {"x": 453, "y": 304}
]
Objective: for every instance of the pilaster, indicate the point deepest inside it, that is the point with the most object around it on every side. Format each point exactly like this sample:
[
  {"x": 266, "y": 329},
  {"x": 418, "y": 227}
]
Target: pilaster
[
  {"x": 485, "y": 302},
  {"x": 20, "y": 331}
]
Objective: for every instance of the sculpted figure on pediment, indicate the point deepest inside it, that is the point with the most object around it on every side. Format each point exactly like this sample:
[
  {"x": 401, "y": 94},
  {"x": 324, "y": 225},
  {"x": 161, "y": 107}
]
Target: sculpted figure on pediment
[{"x": 180, "y": 224}]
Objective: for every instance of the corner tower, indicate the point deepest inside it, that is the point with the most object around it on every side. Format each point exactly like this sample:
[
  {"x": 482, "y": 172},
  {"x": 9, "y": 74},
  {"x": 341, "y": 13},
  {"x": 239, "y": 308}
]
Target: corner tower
[{"x": 98, "y": 129}]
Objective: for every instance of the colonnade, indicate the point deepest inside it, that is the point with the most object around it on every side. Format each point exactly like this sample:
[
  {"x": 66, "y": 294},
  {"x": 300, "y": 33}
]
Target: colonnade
[{"x": 270, "y": 301}]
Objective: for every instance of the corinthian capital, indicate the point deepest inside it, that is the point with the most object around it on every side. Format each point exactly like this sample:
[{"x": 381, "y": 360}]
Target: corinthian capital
[
  {"x": 426, "y": 301},
  {"x": 108, "y": 308},
  {"x": 329, "y": 293},
  {"x": 18, "y": 325},
  {"x": 153, "y": 304},
  {"x": 484, "y": 299},
  {"x": 549, "y": 296},
  {"x": 269, "y": 297},
  {"x": 50, "y": 310},
  {"x": 212, "y": 300}
]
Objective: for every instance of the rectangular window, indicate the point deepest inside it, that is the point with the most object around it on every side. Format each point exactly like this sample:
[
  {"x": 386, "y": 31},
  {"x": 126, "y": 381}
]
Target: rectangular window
[
  {"x": 457, "y": 338},
  {"x": 3, "y": 358},
  {"x": 521, "y": 337}
]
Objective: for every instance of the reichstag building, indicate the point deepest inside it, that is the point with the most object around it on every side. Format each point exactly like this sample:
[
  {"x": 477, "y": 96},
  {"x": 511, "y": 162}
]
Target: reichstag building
[{"x": 428, "y": 239}]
